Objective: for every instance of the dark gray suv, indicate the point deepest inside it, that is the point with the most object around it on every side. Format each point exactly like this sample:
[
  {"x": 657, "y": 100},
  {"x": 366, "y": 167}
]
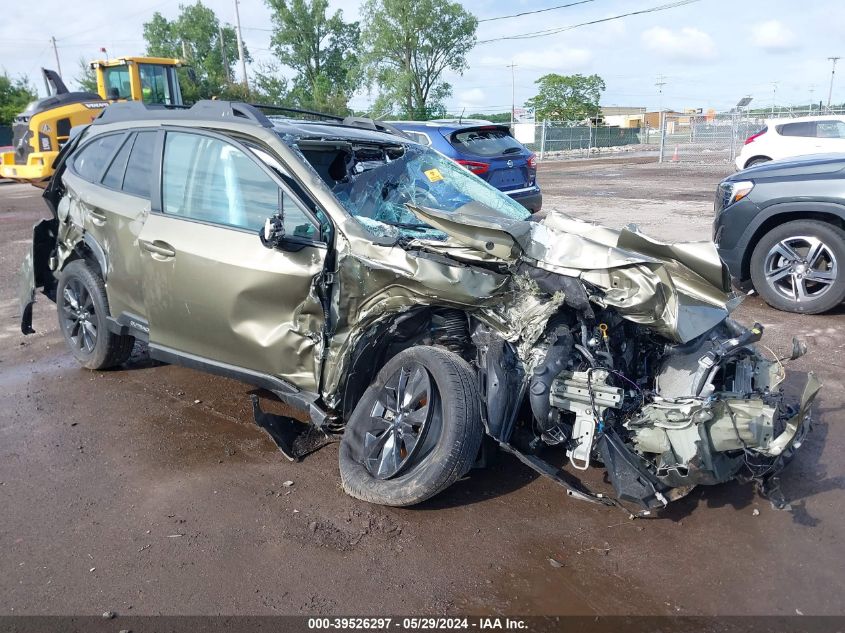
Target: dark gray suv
[{"x": 779, "y": 228}]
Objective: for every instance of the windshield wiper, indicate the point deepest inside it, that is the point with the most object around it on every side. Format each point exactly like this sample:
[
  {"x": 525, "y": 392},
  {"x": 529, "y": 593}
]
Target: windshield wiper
[{"x": 512, "y": 150}]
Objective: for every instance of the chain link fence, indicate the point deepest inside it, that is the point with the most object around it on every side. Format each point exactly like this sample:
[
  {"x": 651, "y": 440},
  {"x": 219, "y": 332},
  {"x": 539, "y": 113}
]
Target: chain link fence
[{"x": 697, "y": 138}]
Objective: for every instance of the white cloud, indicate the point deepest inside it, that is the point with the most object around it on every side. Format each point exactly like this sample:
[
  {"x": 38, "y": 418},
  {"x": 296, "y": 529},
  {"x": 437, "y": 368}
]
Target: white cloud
[
  {"x": 472, "y": 98},
  {"x": 773, "y": 36},
  {"x": 561, "y": 59},
  {"x": 688, "y": 44}
]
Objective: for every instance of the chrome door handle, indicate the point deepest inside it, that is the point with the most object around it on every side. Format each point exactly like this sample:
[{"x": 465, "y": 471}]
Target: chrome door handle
[{"x": 162, "y": 249}]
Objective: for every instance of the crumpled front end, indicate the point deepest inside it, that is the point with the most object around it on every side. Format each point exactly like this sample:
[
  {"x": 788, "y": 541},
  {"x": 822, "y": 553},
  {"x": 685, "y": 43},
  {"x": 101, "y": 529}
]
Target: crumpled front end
[
  {"x": 630, "y": 359},
  {"x": 606, "y": 344},
  {"x": 716, "y": 412}
]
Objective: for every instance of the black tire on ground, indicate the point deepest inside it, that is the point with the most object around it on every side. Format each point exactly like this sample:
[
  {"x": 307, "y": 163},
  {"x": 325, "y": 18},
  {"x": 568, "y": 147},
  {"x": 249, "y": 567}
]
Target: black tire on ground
[
  {"x": 447, "y": 450},
  {"x": 822, "y": 296},
  {"x": 94, "y": 347},
  {"x": 757, "y": 161}
]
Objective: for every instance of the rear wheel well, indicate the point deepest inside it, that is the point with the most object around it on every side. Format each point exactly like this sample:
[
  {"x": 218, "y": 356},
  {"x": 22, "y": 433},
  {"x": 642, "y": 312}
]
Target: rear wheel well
[
  {"x": 83, "y": 251},
  {"x": 777, "y": 220}
]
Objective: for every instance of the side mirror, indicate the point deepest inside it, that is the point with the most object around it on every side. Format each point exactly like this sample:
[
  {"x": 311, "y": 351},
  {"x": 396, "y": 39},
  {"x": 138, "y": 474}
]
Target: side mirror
[{"x": 273, "y": 232}]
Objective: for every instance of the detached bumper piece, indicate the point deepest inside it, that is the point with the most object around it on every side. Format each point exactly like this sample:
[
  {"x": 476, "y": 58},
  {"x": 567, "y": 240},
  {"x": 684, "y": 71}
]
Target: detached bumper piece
[{"x": 295, "y": 439}]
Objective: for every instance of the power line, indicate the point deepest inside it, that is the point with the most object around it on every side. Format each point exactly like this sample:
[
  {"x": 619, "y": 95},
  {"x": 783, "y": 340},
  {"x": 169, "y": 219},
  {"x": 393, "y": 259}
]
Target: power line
[
  {"x": 519, "y": 15},
  {"x": 524, "y": 36}
]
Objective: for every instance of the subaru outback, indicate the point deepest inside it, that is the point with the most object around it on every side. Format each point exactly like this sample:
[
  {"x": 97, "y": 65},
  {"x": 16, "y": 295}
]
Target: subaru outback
[{"x": 406, "y": 306}]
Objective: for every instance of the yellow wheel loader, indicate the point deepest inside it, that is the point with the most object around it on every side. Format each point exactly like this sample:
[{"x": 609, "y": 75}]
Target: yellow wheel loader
[{"x": 39, "y": 132}]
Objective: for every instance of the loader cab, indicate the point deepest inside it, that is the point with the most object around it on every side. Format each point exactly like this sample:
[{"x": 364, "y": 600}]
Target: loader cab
[{"x": 152, "y": 80}]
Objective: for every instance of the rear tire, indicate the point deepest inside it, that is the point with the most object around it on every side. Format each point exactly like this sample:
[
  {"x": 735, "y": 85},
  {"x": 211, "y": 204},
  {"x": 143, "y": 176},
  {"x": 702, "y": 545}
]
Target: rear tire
[
  {"x": 783, "y": 274},
  {"x": 436, "y": 426},
  {"x": 83, "y": 310}
]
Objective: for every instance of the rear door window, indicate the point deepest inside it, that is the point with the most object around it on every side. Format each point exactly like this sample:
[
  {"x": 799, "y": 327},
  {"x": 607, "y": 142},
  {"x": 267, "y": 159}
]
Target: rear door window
[
  {"x": 93, "y": 158},
  {"x": 804, "y": 129},
  {"x": 486, "y": 142},
  {"x": 138, "y": 177},
  {"x": 114, "y": 174}
]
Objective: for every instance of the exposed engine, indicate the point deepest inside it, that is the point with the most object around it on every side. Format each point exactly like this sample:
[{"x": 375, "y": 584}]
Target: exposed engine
[{"x": 661, "y": 418}]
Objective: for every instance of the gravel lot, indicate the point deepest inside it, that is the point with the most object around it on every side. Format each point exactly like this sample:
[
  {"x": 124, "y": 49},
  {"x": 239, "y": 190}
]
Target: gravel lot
[{"x": 149, "y": 489}]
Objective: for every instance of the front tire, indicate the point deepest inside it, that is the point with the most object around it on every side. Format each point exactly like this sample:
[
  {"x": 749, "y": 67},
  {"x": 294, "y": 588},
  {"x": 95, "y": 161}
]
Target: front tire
[
  {"x": 416, "y": 430},
  {"x": 83, "y": 310},
  {"x": 797, "y": 267}
]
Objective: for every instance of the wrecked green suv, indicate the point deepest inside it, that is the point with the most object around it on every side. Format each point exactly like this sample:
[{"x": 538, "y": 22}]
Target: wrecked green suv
[{"x": 409, "y": 307}]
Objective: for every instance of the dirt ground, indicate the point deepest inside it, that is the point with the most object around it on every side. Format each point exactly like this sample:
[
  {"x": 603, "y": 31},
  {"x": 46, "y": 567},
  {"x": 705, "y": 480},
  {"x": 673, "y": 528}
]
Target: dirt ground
[{"x": 149, "y": 490}]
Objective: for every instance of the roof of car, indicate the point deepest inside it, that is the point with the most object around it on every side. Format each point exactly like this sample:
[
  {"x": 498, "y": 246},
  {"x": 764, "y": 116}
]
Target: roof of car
[
  {"x": 330, "y": 127},
  {"x": 805, "y": 119},
  {"x": 450, "y": 124}
]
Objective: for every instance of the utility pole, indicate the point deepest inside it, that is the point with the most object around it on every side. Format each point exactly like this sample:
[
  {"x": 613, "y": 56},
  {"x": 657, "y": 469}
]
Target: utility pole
[
  {"x": 774, "y": 95},
  {"x": 56, "y": 53},
  {"x": 661, "y": 81},
  {"x": 812, "y": 90},
  {"x": 223, "y": 56},
  {"x": 513, "y": 92},
  {"x": 833, "y": 61},
  {"x": 241, "y": 46}
]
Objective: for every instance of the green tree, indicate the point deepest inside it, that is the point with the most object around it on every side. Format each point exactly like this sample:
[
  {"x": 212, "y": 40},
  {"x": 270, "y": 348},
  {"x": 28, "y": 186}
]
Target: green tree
[
  {"x": 195, "y": 38},
  {"x": 321, "y": 48},
  {"x": 409, "y": 47},
  {"x": 87, "y": 77},
  {"x": 269, "y": 85},
  {"x": 15, "y": 95},
  {"x": 498, "y": 117},
  {"x": 566, "y": 97}
]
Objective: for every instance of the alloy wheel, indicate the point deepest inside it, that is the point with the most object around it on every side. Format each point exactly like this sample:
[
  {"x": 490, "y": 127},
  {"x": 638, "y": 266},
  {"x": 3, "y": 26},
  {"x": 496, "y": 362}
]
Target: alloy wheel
[
  {"x": 800, "y": 268},
  {"x": 79, "y": 318},
  {"x": 399, "y": 422}
]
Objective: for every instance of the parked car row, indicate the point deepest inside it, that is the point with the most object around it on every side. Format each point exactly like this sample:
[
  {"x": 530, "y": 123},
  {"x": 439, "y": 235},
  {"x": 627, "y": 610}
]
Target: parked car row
[{"x": 780, "y": 221}]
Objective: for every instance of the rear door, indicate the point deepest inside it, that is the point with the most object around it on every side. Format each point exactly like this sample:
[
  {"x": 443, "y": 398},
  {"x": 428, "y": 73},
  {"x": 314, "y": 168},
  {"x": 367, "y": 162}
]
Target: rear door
[
  {"x": 492, "y": 153},
  {"x": 214, "y": 295},
  {"x": 797, "y": 139},
  {"x": 110, "y": 215}
]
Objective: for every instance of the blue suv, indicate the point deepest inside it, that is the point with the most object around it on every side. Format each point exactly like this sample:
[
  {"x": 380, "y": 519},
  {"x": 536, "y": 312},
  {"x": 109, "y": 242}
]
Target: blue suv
[{"x": 487, "y": 150}]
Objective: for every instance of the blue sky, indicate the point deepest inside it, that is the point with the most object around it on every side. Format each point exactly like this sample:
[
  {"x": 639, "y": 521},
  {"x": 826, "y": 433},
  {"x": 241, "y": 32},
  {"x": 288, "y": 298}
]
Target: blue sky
[{"x": 711, "y": 52}]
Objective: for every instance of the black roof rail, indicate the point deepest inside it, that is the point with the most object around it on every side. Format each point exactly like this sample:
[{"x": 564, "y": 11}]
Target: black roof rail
[
  {"x": 349, "y": 121},
  {"x": 374, "y": 124},
  {"x": 278, "y": 108},
  {"x": 205, "y": 109}
]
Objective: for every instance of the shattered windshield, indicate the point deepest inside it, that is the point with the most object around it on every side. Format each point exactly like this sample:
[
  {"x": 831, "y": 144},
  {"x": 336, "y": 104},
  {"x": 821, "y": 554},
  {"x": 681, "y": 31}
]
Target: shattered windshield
[{"x": 375, "y": 184}]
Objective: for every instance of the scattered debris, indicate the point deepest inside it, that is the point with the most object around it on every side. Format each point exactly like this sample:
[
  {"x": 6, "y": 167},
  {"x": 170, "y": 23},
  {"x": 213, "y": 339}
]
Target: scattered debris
[
  {"x": 799, "y": 612},
  {"x": 555, "y": 563},
  {"x": 175, "y": 535},
  {"x": 109, "y": 615},
  {"x": 148, "y": 546},
  {"x": 287, "y": 484},
  {"x": 93, "y": 569},
  {"x": 755, "y": 512},
  {"x": 197, "y": 401}
]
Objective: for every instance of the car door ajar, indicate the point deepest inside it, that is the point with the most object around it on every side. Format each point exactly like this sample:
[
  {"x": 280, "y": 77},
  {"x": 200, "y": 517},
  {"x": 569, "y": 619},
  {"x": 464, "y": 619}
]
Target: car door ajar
[{"x": 213, "y": 293}]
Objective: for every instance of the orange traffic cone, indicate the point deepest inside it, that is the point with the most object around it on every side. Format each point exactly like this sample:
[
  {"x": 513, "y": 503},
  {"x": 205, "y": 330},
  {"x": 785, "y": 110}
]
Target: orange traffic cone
[{"x": 675, "y": 157}]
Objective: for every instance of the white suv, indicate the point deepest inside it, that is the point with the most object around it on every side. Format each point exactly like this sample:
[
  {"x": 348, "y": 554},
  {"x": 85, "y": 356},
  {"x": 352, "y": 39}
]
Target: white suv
[{"x": 785, "y": 138}]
